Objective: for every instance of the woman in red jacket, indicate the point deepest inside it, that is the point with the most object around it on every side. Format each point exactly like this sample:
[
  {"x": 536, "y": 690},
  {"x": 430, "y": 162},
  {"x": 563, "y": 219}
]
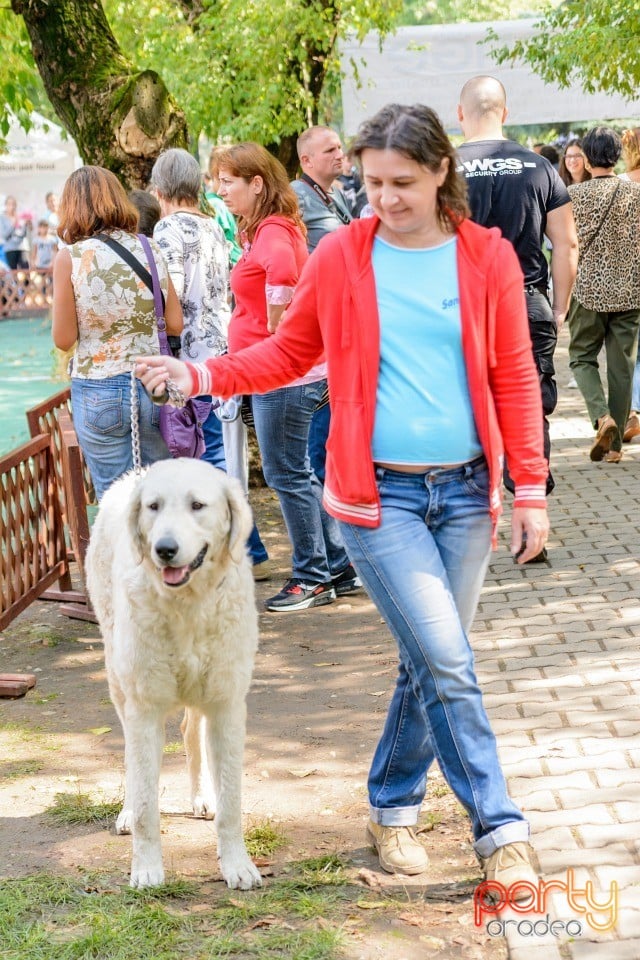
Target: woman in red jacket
[
  {"x": 255, "y": 187},
  {"x": 421, "y": 316}
]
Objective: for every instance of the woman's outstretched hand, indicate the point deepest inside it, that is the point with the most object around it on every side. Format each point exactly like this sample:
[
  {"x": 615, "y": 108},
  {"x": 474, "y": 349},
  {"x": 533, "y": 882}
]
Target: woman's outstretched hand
[{"x": 155, "y": 371}]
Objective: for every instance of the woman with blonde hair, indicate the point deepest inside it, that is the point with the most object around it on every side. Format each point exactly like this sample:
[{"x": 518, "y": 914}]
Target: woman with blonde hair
[
  {"x": 101, "y": 305},
  {"x": 255, "y": 187},
  {"x": 631, "y": 154}
]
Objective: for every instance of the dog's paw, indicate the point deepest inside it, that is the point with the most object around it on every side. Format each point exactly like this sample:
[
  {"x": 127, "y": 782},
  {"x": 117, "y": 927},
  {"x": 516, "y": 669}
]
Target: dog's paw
[
  {"x": 146, "y": 876},
  {"x": 240, "y": 873},
  {"x": 204, "y": 806},
  {"x": 124, "y": 823}
]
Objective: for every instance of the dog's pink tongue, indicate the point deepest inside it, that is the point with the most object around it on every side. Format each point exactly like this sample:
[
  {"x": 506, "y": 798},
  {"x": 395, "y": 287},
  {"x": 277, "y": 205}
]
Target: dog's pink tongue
[{"x": 174, "y": 574}]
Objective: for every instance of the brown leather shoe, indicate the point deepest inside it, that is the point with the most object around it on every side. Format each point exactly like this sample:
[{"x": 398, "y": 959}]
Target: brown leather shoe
[
  {"x": 632, "y": 428},
  {"x": 607, "y": 430},
  {"x": 398, "y": 849}
]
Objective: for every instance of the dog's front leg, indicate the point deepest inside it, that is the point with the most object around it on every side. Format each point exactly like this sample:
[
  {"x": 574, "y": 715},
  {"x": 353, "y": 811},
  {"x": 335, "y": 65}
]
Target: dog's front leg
[
  {"x": 226, "y": 731},
  {"x": 144, "y": 740},
  {"x": 194, "y": 732}
]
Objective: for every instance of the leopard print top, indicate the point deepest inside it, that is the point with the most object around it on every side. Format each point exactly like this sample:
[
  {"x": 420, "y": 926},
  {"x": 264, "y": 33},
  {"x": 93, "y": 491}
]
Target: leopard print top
[{"x": 608, "y": 277}]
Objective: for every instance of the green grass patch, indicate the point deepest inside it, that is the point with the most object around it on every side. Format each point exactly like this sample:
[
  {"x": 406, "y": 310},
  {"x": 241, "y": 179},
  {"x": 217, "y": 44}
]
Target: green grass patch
[
  {"x": 22, "y": 768},
  {"x": 175, "y": 746},
  {"x": 263, "y": 839},
  {"x": 69, "y": 808},
  {"x": 52, "y": 918}
]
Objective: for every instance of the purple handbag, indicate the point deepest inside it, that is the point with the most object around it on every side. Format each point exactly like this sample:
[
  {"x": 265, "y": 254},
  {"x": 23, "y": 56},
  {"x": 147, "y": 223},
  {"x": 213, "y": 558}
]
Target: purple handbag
[{"x": 181, "y": 427}]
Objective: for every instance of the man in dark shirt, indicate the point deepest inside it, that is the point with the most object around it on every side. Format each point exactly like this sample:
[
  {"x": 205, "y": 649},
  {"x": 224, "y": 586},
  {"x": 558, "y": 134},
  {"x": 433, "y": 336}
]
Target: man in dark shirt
[{"x": 518, "y": 191}]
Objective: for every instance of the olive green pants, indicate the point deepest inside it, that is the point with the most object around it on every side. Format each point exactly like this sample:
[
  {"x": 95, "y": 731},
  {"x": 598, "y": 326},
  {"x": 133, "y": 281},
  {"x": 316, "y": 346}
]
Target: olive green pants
[{"x": 617, "y": 331}]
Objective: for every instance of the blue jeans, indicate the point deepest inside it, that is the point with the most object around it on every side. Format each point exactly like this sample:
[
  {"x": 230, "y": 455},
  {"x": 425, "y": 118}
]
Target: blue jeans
[
  {"x": 282, "y": 418},
  {"x": 318, "y": 433},
  {"x": 102, "y": 421},
  {"x": 424, "y": 568},
  {"x": 214, "y": 454}
]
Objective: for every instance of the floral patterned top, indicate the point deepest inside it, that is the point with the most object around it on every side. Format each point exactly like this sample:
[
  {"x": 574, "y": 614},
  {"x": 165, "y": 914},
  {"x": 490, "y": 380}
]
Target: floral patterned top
[
  {"x": 198, "y": 258},
  {"x": 116, "y": 316}
]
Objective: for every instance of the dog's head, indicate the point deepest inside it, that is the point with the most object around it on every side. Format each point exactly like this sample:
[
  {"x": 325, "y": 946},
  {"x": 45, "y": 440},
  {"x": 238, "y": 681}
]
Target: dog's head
[{"x": 184, "y": 514}]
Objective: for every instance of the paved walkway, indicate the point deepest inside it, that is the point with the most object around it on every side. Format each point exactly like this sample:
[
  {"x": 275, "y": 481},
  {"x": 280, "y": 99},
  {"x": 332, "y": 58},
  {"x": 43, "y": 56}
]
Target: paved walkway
[{"x": 564, "y": 701}]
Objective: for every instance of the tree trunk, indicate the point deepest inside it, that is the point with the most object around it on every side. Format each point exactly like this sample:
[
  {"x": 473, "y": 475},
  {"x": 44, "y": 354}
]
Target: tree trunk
[{"x": 119, "y": 118}]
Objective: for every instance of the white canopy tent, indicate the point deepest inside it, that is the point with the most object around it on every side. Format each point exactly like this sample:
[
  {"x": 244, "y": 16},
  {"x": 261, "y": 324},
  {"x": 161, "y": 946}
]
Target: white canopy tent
[
  {"x": 431, "y": 64},
  {"x": 35, "y": 163}
]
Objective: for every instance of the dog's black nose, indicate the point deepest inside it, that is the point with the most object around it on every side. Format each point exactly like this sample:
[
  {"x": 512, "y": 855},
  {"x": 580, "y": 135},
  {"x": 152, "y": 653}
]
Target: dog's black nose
[{"x": 166, "y": 548}]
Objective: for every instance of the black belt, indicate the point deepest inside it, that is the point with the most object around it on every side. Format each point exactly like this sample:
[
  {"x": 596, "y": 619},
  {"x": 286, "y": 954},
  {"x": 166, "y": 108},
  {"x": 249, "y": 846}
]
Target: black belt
[{"x": 532, "y": 288}]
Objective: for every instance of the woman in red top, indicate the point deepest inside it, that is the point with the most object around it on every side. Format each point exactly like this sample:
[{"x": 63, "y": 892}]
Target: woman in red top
[
  {"x": 255, "y": 188},
  {"x": 421, "y": 315}
]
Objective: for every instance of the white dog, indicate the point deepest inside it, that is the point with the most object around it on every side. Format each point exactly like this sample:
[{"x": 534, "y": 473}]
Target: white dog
[{"x": 171, "y": 583}]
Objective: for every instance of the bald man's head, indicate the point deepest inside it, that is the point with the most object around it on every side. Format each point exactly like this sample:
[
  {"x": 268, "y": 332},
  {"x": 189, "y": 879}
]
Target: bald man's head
[{"x": 483, "y": 107}]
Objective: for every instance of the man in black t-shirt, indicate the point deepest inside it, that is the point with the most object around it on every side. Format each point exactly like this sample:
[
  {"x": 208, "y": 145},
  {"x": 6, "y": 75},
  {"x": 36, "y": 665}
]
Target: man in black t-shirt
[{"x": 519, "y": 191}]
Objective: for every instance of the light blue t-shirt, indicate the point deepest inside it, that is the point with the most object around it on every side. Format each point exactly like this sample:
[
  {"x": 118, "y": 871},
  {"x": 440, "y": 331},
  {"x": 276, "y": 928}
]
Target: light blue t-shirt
[{"x": 423, "y": 409}]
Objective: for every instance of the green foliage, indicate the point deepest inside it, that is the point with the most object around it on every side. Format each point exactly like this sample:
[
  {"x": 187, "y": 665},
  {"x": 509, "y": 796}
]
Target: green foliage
[
  {"x": 419, "y": 12},
  {"x": 589, "y": 42},
  {"x": 20, "y": 85},
  {"x": 248, "y": 69}
]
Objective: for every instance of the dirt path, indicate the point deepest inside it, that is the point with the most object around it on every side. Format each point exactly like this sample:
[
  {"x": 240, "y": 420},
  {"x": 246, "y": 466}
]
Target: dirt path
[{"x": 317, "y": 704}]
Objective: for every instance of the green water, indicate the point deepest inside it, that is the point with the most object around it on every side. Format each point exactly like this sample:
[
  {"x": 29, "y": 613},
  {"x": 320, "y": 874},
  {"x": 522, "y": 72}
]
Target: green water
[{"x": 27, "y": 365}]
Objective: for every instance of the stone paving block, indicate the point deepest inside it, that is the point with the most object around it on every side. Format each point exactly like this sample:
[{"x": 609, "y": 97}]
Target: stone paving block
[
  {"x": 628, "y": 928},
  {"x": 593, "y": 814},
  {"x": 533, "y": 951},
  {"x": 572, "y": 780},
  {"x": 627, "y": 810},
  {"x": 615, "y": 778},
  {"x": 525, "y": 767},
  {"x": 594, "y": 746},
  {"x": 552, "y": 721},
  {"x": 540, "y": 800},
  {"x": 588, "y": 950},
  {"x": 618, "y": 796},
  {"x": 593, "y": 835},
  {"x": 556, "y": 838},
  {"x": 614, "y": 761},
  {"x": 596, "y": 732},
  {"x": 628, "y": 925},
  {"x": 626, "y": 728},
  {"x": 615, "y": 858},
  {"x": 625, "y": 875}
]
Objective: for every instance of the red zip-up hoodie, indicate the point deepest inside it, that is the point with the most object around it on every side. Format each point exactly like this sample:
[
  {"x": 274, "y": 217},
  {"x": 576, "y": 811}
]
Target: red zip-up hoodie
[{"x": 335, "y": 310}]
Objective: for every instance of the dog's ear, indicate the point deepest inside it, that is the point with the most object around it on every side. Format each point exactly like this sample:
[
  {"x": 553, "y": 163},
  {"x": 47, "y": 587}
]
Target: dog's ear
[
  {"x": 240, "y": 522},
  {"x": 133, "y": 521}
]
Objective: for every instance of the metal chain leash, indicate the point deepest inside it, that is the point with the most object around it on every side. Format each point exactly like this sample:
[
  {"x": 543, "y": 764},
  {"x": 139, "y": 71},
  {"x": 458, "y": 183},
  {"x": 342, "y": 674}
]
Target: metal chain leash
[{"x": 135, "y": 424}]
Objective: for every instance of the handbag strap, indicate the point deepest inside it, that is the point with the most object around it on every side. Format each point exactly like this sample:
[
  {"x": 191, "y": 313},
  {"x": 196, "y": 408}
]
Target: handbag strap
[
  {"x": 149, "y": 278},
  {"x": 604, "y": 216},
  {"x": 134, "y": 263}
]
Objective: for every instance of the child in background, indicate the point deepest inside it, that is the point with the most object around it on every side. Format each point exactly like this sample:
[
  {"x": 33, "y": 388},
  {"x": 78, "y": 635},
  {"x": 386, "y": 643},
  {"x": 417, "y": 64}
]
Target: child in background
[{"x": 44, "y": 247}]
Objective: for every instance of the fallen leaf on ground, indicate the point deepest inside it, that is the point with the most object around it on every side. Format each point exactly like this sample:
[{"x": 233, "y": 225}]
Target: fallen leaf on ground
[
  {"x": 98, "y": 731},
  {"x": 369, "y": 877},
  {"x": 302, "y": 773}
]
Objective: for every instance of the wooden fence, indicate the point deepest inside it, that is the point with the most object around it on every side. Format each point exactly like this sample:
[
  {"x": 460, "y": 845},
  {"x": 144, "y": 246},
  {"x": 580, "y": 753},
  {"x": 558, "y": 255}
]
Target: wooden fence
[
  {"x": 33, "y": 553},
  {"x": 25, "y": 292}
]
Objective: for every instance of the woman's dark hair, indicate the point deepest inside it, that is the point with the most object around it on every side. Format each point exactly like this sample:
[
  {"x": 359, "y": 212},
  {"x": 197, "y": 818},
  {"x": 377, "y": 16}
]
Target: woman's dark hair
[
  {"x": 602, "y": 147},
  {"x": 93, "y": 200},
  {"x": 249, "y": 160},
  {"x": 565, "y": 176},
  {"x": 148, "y": 210},
  {"x": 416, "y": 132}
]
